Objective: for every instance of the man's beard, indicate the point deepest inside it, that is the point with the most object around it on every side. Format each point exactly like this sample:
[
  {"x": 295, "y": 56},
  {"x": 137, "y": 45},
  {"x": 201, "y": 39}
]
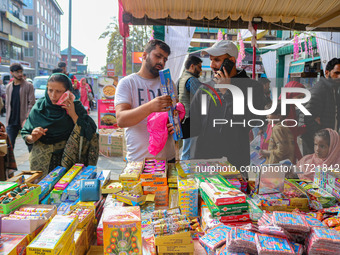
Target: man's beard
[
  {"x": 152, "y": 69},
  {"x": 19, "y": 79}
]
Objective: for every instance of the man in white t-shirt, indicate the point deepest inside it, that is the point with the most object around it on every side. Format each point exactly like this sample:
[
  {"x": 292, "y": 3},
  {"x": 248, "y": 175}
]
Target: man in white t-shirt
[{"x": 137, "y": 96}]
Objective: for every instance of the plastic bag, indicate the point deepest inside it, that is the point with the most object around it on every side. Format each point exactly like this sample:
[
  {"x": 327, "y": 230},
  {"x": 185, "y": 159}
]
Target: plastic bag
[{"x": 157, "y": 127}]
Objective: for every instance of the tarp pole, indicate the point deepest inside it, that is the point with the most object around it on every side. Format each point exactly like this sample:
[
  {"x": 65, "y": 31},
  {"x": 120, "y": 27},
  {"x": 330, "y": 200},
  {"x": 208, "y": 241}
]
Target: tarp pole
[
  {"x": 254, "y": 52},
  {"x": 124, "y": 56}
]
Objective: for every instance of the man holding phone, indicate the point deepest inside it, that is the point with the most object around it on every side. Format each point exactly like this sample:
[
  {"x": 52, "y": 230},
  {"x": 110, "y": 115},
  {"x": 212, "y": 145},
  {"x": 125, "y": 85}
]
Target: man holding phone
[{"x": 231, "y": 141}]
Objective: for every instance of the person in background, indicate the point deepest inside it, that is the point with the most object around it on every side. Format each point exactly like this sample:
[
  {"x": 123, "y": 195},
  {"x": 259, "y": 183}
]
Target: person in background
[
  {"x": 324, "y": 105},
  {"x": 266, "y": 90},
  {"x": 326, "y": 154},
  {"x": 50, "y": 125},
  {"x": 19, "y": 102},
  {"x": 188, "y": 84},
  {"x": 57, "y": 70},
  {"x": 7, "y": 160},
  {"x": 3, "y": 96},
  {"x": 24, "y": 76},
  {"x": 75, "y": 82},
  {"x": 84, "y": 90},
  {"x": 281, "y": 143},
  {"x": 137, "y": 96}
]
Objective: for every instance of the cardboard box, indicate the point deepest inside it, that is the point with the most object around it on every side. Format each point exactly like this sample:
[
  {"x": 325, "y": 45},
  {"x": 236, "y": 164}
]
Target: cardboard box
[
  {"x": 111, "y": 145},
  {"x": 154, "y": 181},
  {"x": 183, "y": 238},
  {"x": 134, "y": 187},
  {"x": 23, "y": 226},
  {"x": 80, "y": 242},
  {"x": 26, "y": 176},
  {"x": 131, "y": 172},
  {"x": 172, "y": 173},
  {"x": 122, "y": 225},
  {"x": 7, "y": 186},
  {"x": 176, "y": 248},
  {"x": 32, "y": 197},
  {"x": 132, "y": 199},
  {"x": 159, "y": 174},
  {"x": 96, "y": 250},
  {"x": 13, "y": 244},
  {"x": 48, "y": 182},
  {"x": 161, "y": 194},
  {"x": 107, "y": 190},
  {"x": 58, "y": 231}
]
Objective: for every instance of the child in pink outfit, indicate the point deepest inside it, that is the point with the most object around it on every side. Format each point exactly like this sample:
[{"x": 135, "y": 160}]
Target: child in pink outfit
[{"x": 84, "y": 89}]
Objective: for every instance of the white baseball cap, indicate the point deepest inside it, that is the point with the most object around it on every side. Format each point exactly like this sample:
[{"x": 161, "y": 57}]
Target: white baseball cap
[{"x": 220, "y": 48}]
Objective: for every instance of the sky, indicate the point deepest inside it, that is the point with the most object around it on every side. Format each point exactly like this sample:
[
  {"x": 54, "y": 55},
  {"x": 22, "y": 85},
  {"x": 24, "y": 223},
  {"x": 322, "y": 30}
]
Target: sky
[{"x": 89, "y": 20}]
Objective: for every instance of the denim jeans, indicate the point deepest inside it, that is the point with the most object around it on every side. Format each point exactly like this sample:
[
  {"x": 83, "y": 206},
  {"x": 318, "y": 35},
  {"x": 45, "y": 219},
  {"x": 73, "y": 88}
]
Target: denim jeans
[
  {"x": 12, "y": 131},
  {"x": 186, "y": 149}
]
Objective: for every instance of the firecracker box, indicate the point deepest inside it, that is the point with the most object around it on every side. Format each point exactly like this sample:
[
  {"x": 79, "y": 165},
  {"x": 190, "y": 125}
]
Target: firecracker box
[
  {"x": 176, "y": 248},
  {"x": 154, "y": 181},
  {"x": 111, "y": 144},
  {"x": 159, "y": 174},
  {"x": 7, "y": 186},
  {"x": 112, "y": 187},
  {"x": 25, "y": 226},
  {"x": 13, "y": 244},
  {"x": 80, "y": 242},
  {"x": 161, "y": 194},
  {"x": 90, "y": 229},
  {"x": 173, "y": 198},
  {"x": 32, "y": 197},
  {"x": 48, "y": 182},
  {"x": 122, "y": 230},
  {"x": 172, "y": 173},
  {"x": 235, "y": 218},
  {"x": 131, "y": 172},
  {"x": 182, "y": 238},
  {"x": 95, "y": 250},
  {"x": 133, "y": 187},
  {"x": 129, "y": 198},
  {"x": 60, "y": 229},
  {"x": 188, "y": 196},
  {"x": 26, "y": 176}
]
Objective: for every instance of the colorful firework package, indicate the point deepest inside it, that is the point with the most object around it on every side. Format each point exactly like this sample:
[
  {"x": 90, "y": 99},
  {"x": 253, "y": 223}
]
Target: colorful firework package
[
  {"x": 291, "y": 221},
  {"x": 323, "y": 241},
  {"x": 241, "y": 240},
  {"x": 122, "y": 230},
  {"x": 214, "y": 238},
  {"x": 271, "y": 245}
]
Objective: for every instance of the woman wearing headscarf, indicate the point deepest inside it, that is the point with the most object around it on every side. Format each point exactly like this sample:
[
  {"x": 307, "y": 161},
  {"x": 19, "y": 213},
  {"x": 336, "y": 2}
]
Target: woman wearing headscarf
[
  {"x": 61, "y": 132},
  {"x": 326, "y": 154},
  {"x": 84, "y": 90}
]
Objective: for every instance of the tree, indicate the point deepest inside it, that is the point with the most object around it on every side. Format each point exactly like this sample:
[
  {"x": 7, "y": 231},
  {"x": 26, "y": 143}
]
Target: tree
[{"x": 139, "y": 36}]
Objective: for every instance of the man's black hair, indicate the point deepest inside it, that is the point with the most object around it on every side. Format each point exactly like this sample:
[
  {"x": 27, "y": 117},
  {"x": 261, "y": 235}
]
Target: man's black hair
[
  {"x": 192, "y": 60},
  {"x": 324, "y": 133},
  {"x": 151, "y": 45},
  {"x": 15, "y": 67},
  {"x": 332, "y": 63},
  {"x": 57, "y": 70},
  {"x": 61, "y": 64}
]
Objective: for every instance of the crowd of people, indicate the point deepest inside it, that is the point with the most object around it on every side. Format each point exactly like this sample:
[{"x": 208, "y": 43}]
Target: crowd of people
[
  {"x": 138, "y": 95},
  {"x": 59, "y": 131}
]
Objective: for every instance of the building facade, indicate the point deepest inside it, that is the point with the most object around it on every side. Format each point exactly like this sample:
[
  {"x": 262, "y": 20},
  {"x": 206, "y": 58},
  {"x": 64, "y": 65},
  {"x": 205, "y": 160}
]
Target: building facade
[
  {"x": 77, "y": 60},
  {"x": 42, "y": 35},
  {"x": 12, "y": 27}
]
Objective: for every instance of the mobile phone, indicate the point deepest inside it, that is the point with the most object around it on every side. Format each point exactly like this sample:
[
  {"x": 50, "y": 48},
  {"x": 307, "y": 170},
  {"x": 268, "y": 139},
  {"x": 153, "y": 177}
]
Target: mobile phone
[{"x": 228, "y": 65}]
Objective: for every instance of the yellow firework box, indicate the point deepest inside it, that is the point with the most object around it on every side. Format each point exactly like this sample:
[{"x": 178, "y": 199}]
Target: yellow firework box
[{"x": 122, "y": 230}]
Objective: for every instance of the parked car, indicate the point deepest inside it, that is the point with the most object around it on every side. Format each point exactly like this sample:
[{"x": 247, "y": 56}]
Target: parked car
[{"x": 40, "y": 85}]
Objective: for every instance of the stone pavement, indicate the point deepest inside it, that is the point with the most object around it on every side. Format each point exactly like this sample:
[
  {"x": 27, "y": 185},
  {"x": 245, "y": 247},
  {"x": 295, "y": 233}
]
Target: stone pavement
[{"x": 115, "y": 164}]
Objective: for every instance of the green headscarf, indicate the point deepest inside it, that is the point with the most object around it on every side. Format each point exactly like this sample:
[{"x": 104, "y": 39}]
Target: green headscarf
[{"x": 53, "y": 117}]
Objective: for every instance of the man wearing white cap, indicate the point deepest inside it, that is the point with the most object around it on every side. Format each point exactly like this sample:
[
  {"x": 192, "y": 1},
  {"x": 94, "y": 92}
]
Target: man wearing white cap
[{"x": 231, "y": 141}]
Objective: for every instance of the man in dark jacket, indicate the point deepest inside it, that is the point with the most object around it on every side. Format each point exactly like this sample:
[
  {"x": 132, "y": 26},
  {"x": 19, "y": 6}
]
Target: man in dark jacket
[
  {"x": 231, "y": 141},
  {"x": 324, "y": 105}
]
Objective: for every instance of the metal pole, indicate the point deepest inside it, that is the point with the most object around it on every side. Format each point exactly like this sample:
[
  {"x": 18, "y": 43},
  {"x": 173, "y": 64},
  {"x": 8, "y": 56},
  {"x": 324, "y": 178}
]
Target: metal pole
[
  {"x": 254, "y": 53},
  {"x": 124, "y": 56},
  {"x": 133, "y": 50},
  {"x": 69, "y": 62}
]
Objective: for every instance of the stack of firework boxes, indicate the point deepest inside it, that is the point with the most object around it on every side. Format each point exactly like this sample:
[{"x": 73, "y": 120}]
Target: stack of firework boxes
[
  {"x": 172, "y": 182},
  {"x": 224, "y": 201},
  {"x": 129, "y": 178},
  {"x": 154, "y": 180},
  {"x": 188, "y": 196}
]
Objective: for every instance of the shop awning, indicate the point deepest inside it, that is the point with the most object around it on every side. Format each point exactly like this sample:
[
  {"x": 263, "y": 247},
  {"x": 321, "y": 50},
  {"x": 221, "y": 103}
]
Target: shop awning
[
  {"x": 276, "y": 14},
  {"x": 299, "y": 66}
]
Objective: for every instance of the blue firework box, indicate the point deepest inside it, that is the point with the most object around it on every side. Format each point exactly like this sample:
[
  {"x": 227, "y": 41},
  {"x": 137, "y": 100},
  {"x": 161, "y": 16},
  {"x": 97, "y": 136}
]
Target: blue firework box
[
  {"x": 71, "y": 193},
  {"x": 48, "y": 182},
  {"x": 167, "y": 88}
]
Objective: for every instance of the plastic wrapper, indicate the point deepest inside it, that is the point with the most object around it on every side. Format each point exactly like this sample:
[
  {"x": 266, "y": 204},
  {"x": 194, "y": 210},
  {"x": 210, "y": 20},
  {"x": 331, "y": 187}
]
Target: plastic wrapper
[
  {"x": 241, "y": 240},
  {"x": 214, "y": 238},
  {"x": 314, "y": 222},
  {"x": 224, "y": 251},
  {"x": 323, "y": 241},
  {"x": 271, "y": 245},
  {"x": 298, "y": 248},
  {"x": 265, "y": 220},
  {"x": 275, "y": 231},
  {"x": 332, "y": 222},
  {"x": 291, "y": 221}
]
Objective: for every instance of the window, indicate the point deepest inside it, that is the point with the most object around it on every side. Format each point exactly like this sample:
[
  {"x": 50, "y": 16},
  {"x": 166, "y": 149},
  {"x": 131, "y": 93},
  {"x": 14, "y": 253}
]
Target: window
[
  {"x": 38, "y": 22},
  {"x": 29, "y": 52},
  {"x": 28, "y": 36},
  {"x": 29, "y": 20}
]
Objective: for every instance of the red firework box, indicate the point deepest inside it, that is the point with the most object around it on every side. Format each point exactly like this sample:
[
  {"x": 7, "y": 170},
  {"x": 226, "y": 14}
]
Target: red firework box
[
  {"x": 235, "y": 218},
  {"x": 122, "y": 230}
]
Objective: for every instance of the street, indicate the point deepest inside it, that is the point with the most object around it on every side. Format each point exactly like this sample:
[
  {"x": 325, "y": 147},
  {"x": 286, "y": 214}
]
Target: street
[{"x": 115, "y": 164}]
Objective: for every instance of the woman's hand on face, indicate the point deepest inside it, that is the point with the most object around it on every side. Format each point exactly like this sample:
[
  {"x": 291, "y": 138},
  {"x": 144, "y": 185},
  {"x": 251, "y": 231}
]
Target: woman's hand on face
[
  {"x": 37, "y": 133},
  {"x": 3, "y": 134},
  {"x": 69, "y": 107}
]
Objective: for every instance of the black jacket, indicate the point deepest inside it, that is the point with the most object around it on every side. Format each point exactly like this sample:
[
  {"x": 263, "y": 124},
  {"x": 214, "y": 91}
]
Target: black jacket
[
  {"x": 325, "y": 98},
  {"x": 223, "y": 140}
]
